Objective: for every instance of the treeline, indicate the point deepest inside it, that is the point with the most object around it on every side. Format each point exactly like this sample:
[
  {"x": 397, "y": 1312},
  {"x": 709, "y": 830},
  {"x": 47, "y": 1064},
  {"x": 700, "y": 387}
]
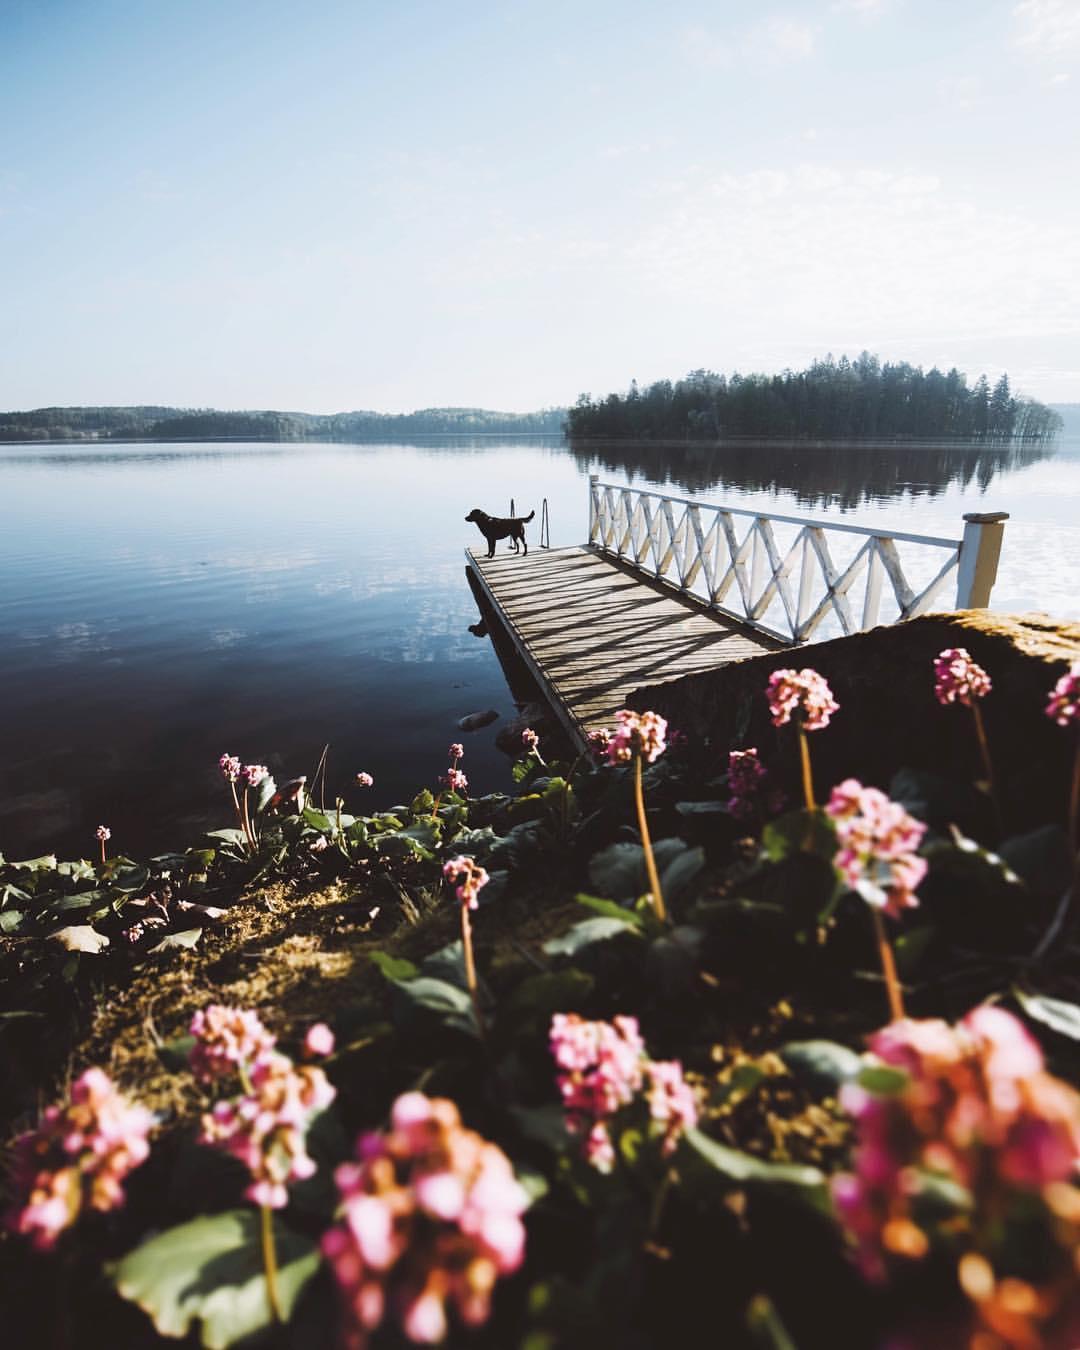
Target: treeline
[
  {"x": 148, "y": 422},
  {"x": 832, "y": 400}
]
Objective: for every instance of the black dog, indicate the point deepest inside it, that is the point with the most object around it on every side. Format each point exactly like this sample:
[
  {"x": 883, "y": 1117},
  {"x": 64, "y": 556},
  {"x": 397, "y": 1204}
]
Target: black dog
[{"x": 494, "y": 528}]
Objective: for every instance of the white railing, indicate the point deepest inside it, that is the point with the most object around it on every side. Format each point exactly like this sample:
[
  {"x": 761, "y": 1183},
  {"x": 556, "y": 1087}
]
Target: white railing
[{"x": 787, "y": 576}]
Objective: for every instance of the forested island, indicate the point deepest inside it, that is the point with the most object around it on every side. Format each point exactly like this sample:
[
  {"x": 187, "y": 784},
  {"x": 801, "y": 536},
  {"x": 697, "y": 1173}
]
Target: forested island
[
  {"x": 151, "y": 422},
  {"x": 832, "y": 400}
]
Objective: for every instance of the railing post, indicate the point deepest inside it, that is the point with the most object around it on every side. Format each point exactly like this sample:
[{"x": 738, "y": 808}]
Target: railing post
[
  {"x": 980, "y": 549},
  {"x": 594, "y": 480}
]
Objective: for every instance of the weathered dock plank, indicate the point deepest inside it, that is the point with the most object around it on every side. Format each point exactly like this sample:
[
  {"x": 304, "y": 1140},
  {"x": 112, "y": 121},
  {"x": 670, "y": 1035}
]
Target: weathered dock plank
[{"x": 591, "y": 630}]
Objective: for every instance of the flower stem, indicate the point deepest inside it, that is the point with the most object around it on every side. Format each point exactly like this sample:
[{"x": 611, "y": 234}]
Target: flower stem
[
  {"x": 888, "y": 967},
  {"x": 270, "y": 1262},
  {"x": 246, "y": 821},
  {"x": 988, "y": 767},
  {"x": 807, "y": 776},
  {"x": 646, "y": 844},
  {"x": 470, "y": 966},
  {"x": 103, "y": 853}
]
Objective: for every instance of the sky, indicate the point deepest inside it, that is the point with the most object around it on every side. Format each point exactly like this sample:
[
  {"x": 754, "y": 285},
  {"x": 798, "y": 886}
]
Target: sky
[{"x": 326, "y": 205}]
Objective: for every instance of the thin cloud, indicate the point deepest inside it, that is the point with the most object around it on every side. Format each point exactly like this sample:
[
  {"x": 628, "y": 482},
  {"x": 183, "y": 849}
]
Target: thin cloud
[
  {"x": 1048, "y": 28},
  {"x": 776, "y": 41}
]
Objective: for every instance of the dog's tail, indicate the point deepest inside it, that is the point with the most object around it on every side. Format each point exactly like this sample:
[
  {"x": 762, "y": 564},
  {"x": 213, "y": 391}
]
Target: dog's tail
[{"x": 529, "y": 516}]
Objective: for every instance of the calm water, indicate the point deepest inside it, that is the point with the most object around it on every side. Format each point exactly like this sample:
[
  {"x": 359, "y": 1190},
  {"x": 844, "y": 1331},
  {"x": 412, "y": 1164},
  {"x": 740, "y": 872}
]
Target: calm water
[{"x": 162, "y": 604}]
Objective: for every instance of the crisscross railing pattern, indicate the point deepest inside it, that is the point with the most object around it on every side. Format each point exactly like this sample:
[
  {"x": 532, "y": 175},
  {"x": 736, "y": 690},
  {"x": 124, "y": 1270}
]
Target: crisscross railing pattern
[{"x": 730, "y": 560}]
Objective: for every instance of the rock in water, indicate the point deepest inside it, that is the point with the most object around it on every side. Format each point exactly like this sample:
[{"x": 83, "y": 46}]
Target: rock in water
[{"x": 474, "y": 721}]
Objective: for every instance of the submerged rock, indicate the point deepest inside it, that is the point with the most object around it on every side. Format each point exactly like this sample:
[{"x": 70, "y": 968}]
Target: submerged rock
[{"x": 474, "y": 721}]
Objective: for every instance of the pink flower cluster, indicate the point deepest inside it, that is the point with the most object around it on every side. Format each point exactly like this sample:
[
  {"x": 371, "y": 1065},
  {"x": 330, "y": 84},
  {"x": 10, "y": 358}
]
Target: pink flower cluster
[
  {"x": 530, "y": 740},
  {"x": 977, "y": 1110},
  {"x": 430, "y": 1216},
  {"x": 958, "y": 679},
  {"x": 878, "y": 843},
  {"x": 636, "y": 733},
  {"x": 226, "y": 1040},
  {"x": 602, "y": 1068},
  {"x": 598, "y": 742},
  {"x": 265, "y": 1127},
  {"x": 364, "y": 779},
  {"x": 747, "y": 785},
  {"x": 230, "y": 768},
  {"x": 251, "y": 775},
  {"x": 455, "y": 780},
  {"x": 456, "y": 751},
  {"x": 470, "y": 878},
  {"x": 77, "y": 1157},
  {"x": 1064, "y": 704},
  {"x": 103, "y": 832},
  {"x": 319, "y": 1041},
  {"x": 803, "y": 694}
]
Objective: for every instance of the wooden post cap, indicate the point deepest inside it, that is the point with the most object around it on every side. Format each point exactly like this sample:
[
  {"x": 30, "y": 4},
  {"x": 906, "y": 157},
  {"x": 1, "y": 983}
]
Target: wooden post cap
[{"x": 986, "y": 518}]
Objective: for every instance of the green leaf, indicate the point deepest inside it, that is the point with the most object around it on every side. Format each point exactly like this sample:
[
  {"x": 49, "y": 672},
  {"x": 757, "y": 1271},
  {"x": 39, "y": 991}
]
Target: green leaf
[
  {"x": 746, "y": 1170},
  {"x": 46, "y": 863},
  {"x": 263, "y": 793},
  {"x": 1052, "y": 1012},
  {"x": 422, "y": 804},
  {"x": 540, "y": 996},
  {"x": 619, "y": 870},
  {"x": 911, "y": 946},
  {"x": 10, "y": 920},
  {"x": 79, "y": 870},
  {"x": 477, "y": 843},
  {"x": 681, "y": 871},
  {"x": 448, "y": 963},
  {"x": 80, "y": 938},
  {"x": 882, "y": 1079},
  {"x": 610, "y": 909},
  {"x": 426, "y": 995},
  {"x": 176, "y": 1054},
  {"x": 208, "y": 1274},
  {"x": 227, "y": 836},
  {"x": 800, "y": 832},
  {"x": 177, "y": 941},
  {"x": 543, "y": 1125},
  {"x": 317, "y": 820},
  {"x": 586, "y": 933},
  {"x": 702, "y": 808},
  {"x": 395, "y": 968},
  {"x": 824, "y": 1064},
  {"x": 1042, "y": 858}
]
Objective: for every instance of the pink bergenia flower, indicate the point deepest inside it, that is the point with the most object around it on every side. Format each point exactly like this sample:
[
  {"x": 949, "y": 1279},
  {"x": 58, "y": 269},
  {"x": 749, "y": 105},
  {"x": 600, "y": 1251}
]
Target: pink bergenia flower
[
  {"x": 230, "y": 767},
  {"x": 430, "y": 1218},
  {"x": 958, "y": 679},
  {"x": 978, "y": 1110},
  {"x": 598, "y": 742},
  {"x": 1064, "y": 704},
  {"x": 457, "y": 750},
  {"x": 803, "y": 694},
  {"x": 76, "y": 1158},
  {"x": 747, "y": 784},
  {"x": 641, "y": 733},
  {"x": 319, "y": 1041},
  {"x": 364, "y": 779},
  {"x": 601, "y": 1068},
  {"x": 265, "y": 1127},
  {"x": 226, "y": 1039},
  {"x": 469, "y": 875},
  {"x": 530, "y": 740},
  {"x": 878, "y": 843},
  {"x": 455, "y": 780},
  {"x": 103, "y": 832},
  {"x": 672, "y": 1104},
  {"x": 253, "y": 774}
]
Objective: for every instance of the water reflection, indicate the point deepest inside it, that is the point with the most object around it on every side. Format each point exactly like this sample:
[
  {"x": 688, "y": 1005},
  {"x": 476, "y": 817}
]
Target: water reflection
[{"x": 842, "y": 475}]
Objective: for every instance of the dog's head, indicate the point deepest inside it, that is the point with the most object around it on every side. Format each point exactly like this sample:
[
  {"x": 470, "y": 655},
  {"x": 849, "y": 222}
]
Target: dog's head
[{"x": 476, "y": 516}]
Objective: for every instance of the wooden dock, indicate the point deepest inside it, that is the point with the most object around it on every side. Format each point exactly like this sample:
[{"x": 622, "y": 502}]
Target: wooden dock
[{"x": 592, "y": 629}]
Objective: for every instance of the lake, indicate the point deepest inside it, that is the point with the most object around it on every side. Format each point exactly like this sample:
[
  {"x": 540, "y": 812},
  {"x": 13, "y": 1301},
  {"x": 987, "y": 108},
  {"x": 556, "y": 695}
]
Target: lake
[{"x": 163, "y": 604}]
